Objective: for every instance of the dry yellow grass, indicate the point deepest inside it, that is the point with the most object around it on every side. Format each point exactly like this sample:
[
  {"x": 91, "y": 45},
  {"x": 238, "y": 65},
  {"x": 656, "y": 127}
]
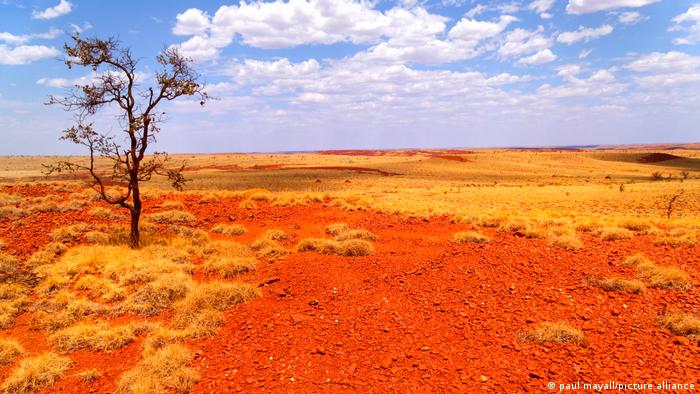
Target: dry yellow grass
[
  {"x": 682, "y": 324},
  {"x": 160, "y": 336},
  {"x": 47, "y": 255},
  {"x": 663, "y": 277},
  {"x": 352, "y": 247},
  {"x": 559, "y": 332},
  {"x": 618, "y": 284},
  {"x": 356, "y": 234},
  {"x": 172, "y": 204},
  {"x": 248, "y": 204},
  {"x": 61, "y": 312},
  {"x": 89, "y": 375},
  {"x": 336, "y": 228},
  {"x": 159, "y": 294},
  {"x": 69, "y": 233},
  {"x": 9, "y": 310},
  {"x": 164, "y": 370},
  {"x": 197, "y": 312},
  {"x": 9, "y": 349},
  {"x": 228, "y": 267},
  {"x": 100, "y": 336},
  {"x": 100, "y": 288},
  {"x": 229, "y": 229},
  {"x": 566, "y": 240},
  {"x": 677, "y": 238},
  {"x": 102, "y": 212},
  {"x": 612, "y": 233},
  {"x": 470, "y": 237},
  {"x": 172, "y": 216},
  {"x": 268, "y": 247},
  {"x": 36, "y": 372}
]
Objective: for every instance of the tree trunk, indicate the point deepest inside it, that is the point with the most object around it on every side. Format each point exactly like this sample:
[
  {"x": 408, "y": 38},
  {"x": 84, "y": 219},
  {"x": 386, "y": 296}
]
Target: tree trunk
[{"x": 135, "y": 239}]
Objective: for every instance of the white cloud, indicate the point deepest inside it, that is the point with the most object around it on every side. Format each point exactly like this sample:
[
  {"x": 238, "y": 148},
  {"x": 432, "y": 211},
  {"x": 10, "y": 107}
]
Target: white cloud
[
  {"x": 24, "y": 38},
  {"x": 542, "y": 57},
  {"x": 541, "y": 7},
  {"x": 691, "y": 16},
  {"x": 520, "y": 42},
  {"x": 665, "y": 62},
  {"x": 670, "y": 69},
  {"x": 631, "y": 17},
  {"x": 588, "y": 6},
  {"x": 79, "y": 29},
  {"x": 478, "y": 9},
  {"x": 25, "y": 54},
  {"x": 598, "y": 84},
  {"x": 584, "y": 53},
  {"x": 473, "y": 30},
  {"x": 279, "y": 24},
  {"x": 191, "y": 22},
  {"x": 584, "y": 34},
  {"x": 62, "y": 8}
]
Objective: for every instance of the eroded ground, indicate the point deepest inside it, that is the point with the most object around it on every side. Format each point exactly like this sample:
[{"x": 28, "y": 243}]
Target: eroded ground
[{"x": 422, "y": 313}]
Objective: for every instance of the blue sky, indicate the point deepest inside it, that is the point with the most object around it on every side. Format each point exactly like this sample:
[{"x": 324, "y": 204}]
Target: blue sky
[{"x": 336, "y": 74}]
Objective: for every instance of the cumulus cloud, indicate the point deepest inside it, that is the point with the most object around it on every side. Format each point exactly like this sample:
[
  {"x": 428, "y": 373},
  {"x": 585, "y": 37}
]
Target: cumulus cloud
[
  {"x": 631, "y": 17},
  {"x": 62, "y": 8},
  {"x": 588, "y": 6},
  {"x": 688, "y": 21},
  {"x": 666, "y": 69},
  {"x": 396, "y": 36},
  {"x": 542, "y": 57},
  {"x": 24, "y": 38},
  {"x": 191, "y": 22},
  {"x": 541, "y": 7},
  {"x": 273, "y": 25},
  {"x": 25, "y": 54},
  {"x": 519, "y": 42},
  {"x": 584, "y": 34}
]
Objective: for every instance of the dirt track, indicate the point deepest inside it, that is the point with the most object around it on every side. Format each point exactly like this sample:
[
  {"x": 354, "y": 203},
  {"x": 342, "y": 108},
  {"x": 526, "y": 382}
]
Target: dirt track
[{"x": 421, "y": 315}]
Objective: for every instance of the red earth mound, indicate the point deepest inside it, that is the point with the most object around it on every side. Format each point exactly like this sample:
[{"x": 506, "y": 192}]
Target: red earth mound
[
  {"x": 657, "y": 157},
  {"x": 422, "y": 314}
]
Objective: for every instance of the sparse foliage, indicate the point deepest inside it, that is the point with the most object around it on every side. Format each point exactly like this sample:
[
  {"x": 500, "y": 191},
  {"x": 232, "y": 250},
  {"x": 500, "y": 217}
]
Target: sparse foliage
[
  {"x": 672, "y": 202},
  {"x": 117, "y": 87}
]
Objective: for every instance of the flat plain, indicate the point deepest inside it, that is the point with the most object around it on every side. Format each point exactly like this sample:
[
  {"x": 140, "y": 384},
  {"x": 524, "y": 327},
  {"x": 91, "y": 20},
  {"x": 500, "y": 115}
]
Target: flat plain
[{"x": 494, "y": 270}]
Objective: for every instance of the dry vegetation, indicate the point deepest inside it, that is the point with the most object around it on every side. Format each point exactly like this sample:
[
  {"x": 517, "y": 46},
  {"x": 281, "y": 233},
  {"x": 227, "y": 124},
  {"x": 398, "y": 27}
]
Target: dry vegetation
[
  {"x": 179, "y": 284},
  {"x": 470, "y": 237},
  {"x": 36, "y": 372},
  {"x": 559, "y": 332},
  {"x": 662, "y": 277}
]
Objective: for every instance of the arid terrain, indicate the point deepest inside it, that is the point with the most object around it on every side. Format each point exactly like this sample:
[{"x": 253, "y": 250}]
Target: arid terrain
[{"x": 358, "y": 271}]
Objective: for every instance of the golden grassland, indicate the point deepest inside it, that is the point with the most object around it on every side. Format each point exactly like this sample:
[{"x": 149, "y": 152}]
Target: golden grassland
[{"x": 74, "y": 293}]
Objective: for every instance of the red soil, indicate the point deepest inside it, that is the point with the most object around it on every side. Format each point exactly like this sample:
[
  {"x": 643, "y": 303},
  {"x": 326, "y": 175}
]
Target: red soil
[
  {"x": 360, "y": 170},
  {"x": 420, "y": 315}
]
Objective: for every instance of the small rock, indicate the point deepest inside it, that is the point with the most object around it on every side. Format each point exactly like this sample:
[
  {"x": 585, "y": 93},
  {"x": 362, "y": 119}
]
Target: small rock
[
  {"x": 352, "y": 368},
  {"x": 425, "y": 348},
  {"x": 533, "y": 375},
  {"x": 313, "y": 302},
  {"x": 615, "y": 312},
  {"x": 319, "y": 350},
  {"x": 483, "y": 378},
  {"x": 681, "y": 341}
]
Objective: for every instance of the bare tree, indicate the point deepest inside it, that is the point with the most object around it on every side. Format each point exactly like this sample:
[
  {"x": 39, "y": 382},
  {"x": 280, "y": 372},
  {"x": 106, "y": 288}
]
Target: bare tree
[
  {"x": 671, "y": 201},
  {"x": 116, "y": 86}
]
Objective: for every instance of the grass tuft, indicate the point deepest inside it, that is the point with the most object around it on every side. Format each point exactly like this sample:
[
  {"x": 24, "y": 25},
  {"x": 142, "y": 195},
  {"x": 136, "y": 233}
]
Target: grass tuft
[
  {"x": 172, "y": 216},
  {"x": 352, "y": 247},
  {"x": 100, "y": 337},
  {"x": 559, "y": 332},
  {"x": 164, "y": 370},
  {"x": 9, "y": 349},
  {"x": 682, "y": 324},
  {"x": 617, "y": 284},
  {"x": 229, "y": 229},
  {"x": 36, "y": 372},
  {"x": 470, "y": 237},
  {"x": 248, "y": 204},
  {"x": 612, "y": 233}
]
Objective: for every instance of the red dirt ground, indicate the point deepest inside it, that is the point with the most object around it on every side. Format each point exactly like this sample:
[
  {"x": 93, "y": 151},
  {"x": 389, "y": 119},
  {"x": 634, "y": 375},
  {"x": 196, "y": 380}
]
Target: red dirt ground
[{"x": 420, "y": 315}]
